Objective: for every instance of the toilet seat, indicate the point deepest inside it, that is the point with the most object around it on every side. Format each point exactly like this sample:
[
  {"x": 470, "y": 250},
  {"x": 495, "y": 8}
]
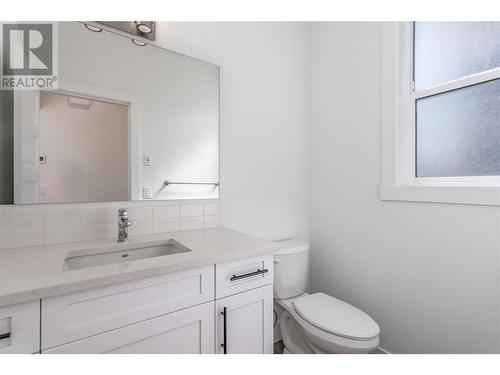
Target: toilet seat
[{"x": 336, "y": 317}]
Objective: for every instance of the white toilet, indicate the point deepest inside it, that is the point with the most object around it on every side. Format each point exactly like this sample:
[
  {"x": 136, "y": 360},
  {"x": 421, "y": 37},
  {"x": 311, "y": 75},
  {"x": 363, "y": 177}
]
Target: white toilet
[{"x": 315, "y": 323}]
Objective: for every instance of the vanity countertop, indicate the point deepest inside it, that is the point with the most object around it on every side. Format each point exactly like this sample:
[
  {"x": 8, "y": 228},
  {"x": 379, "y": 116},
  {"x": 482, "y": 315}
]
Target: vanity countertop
[{"x": 32, "y": 273}]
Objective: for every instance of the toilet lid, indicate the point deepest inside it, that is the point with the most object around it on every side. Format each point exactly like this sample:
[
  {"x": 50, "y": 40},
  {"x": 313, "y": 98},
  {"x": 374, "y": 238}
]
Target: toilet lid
[{"x": 337, "y": 317}]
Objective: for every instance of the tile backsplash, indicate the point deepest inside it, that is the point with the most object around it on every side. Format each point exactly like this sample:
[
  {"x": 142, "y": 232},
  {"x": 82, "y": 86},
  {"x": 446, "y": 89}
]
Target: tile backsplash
[{"x": 22, "y": 226}]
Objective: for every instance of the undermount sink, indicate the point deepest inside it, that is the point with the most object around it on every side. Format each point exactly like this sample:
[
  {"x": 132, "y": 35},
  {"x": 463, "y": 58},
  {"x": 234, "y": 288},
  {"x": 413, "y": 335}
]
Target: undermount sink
[{"x": 121, "y": 253}]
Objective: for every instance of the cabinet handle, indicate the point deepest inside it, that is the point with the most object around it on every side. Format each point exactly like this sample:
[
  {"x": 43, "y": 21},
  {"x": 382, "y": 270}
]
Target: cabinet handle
[
  {"x": 250, "y": 274},
  {"x": 4, "y": 336},
  {"x": 224, "y": 334}
]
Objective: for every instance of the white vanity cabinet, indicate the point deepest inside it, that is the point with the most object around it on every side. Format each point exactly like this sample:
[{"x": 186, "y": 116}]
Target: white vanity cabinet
[
  {"x": 20, "y": 328},
  {"x": 244, "y": 314},
  {"x": 219, "y": 308}
]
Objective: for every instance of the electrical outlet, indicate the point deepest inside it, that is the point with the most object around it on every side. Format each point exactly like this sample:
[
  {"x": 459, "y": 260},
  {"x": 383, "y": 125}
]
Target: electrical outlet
[{"x": 147, "y": 193}]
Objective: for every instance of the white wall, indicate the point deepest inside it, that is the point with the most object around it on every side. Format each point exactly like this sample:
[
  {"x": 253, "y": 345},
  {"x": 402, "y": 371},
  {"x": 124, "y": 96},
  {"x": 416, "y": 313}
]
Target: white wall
[
  {"x": 264, "y": 129},
  {"x": 427, "y": 273}
]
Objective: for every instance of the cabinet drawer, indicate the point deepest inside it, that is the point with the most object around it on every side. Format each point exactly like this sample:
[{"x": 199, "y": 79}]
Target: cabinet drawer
[
  {"x": 243, "y": 274},
  {"x": 78, "y": 315},
  {"x": 189, "y": 331},
  {"x": 20, "y": 328}
]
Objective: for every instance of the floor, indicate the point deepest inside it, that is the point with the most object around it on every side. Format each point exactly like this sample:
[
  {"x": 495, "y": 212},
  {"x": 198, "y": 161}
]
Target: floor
[{"x": 278, "y": 347}]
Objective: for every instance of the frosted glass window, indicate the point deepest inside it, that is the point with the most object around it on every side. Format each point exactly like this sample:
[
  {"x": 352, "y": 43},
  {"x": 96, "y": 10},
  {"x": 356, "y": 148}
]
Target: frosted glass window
[
  {"x": 458, "y": 132},
  {"x": 444, "y": 51}
]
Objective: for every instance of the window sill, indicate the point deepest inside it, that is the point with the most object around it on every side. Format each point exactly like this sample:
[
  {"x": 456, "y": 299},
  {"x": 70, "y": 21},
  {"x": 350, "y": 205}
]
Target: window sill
[{"x": 477, "y": 195}]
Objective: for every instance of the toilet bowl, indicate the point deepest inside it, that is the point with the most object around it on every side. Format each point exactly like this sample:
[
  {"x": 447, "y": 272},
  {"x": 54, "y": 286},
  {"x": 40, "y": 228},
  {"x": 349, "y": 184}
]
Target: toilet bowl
[{"x": 316, "y": 323}]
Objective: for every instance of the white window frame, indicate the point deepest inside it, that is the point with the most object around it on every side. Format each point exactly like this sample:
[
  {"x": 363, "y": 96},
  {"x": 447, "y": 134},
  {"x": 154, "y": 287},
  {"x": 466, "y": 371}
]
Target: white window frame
[{"x": 398, "y": 130}]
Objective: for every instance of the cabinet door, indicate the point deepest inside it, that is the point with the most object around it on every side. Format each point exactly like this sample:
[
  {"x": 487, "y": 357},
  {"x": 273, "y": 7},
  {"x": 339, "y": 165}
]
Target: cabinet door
[
  {"x": 20, "y": 328},
  {"x": 189, "y": 331},
  {"x": 245, "y": 322}
]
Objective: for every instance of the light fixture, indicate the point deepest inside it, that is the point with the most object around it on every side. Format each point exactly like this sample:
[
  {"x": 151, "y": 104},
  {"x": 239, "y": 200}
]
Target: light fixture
[
  {"x": 79, "y": 103},
  {"x": 145, "y": 27},
  {"x": 138, "y": 42},
  {"x": 140, "y": 29},
  {"x": 95, "y": 29}
]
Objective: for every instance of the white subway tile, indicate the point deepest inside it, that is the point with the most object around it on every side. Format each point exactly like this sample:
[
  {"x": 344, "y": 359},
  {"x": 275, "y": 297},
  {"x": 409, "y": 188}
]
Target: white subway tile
[
  {"x": 101, "y": 231},
  {"x": 188, "y": 223},
  {"x": 213, "y": 209},
  {"x": 63, "y": 217},
  {"x": 140, "y": 227},
  {"x": 191, "y": 210},
  {"x": 102, "y": 215},
  {"x": 165, "y": 225},
  {"x": 161, "y": 212},
  {"x": 35, "y": 226},
  {"x": 64, "y": 234},
  {"x": 21, "y": 219},
  {"x": 140, "y": 213},
  {"x": 21, "y": 238},
  {"x": 213, "y": 221}
]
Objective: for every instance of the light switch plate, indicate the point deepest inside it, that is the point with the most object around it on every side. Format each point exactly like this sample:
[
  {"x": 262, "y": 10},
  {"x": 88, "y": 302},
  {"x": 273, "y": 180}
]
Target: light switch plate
[
  {"x": 147, "y": 192},
  {"x": 147, "y": 160},
  {"x": 44, "y": 190}
]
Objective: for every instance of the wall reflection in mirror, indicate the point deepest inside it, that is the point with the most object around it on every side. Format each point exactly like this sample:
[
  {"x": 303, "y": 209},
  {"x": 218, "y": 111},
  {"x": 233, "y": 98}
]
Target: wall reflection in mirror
[{"x": 123, "y": 120}]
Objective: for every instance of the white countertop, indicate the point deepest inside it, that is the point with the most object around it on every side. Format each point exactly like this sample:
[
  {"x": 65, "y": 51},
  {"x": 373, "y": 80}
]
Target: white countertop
[{"x": 32, "y": 273}]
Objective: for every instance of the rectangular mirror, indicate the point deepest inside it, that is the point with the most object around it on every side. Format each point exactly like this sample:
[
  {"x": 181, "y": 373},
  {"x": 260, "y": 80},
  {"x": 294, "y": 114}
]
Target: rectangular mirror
[{"x": 127, "y": 122}]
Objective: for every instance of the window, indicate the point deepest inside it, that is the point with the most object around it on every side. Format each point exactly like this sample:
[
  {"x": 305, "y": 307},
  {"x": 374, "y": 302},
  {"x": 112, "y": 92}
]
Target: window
[
  {"x": 458, "y": 132},
  {"x": 457, "y": 119},
  {"x": 441, "y": 112},
  {"x": 446, "y": 51}
]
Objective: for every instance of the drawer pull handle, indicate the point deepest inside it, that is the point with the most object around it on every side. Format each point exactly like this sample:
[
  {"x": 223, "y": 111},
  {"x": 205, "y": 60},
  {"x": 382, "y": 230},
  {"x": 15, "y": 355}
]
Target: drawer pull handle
[
  {"x": 4, "y": 336},
  {"x": 250, "y": 274}
]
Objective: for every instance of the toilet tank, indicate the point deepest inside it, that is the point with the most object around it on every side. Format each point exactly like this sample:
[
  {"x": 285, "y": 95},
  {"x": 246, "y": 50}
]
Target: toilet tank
[{"x": 291, "y": 265}]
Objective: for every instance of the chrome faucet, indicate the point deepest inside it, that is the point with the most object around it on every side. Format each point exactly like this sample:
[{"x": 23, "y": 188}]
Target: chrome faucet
[{"x": 123, "y": 224}]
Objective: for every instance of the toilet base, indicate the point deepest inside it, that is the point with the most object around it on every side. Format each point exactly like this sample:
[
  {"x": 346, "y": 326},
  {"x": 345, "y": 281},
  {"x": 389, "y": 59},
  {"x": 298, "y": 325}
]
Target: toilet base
[
  {"x": 300, "y": 337},
  {"x": 292, "y": 336}
]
